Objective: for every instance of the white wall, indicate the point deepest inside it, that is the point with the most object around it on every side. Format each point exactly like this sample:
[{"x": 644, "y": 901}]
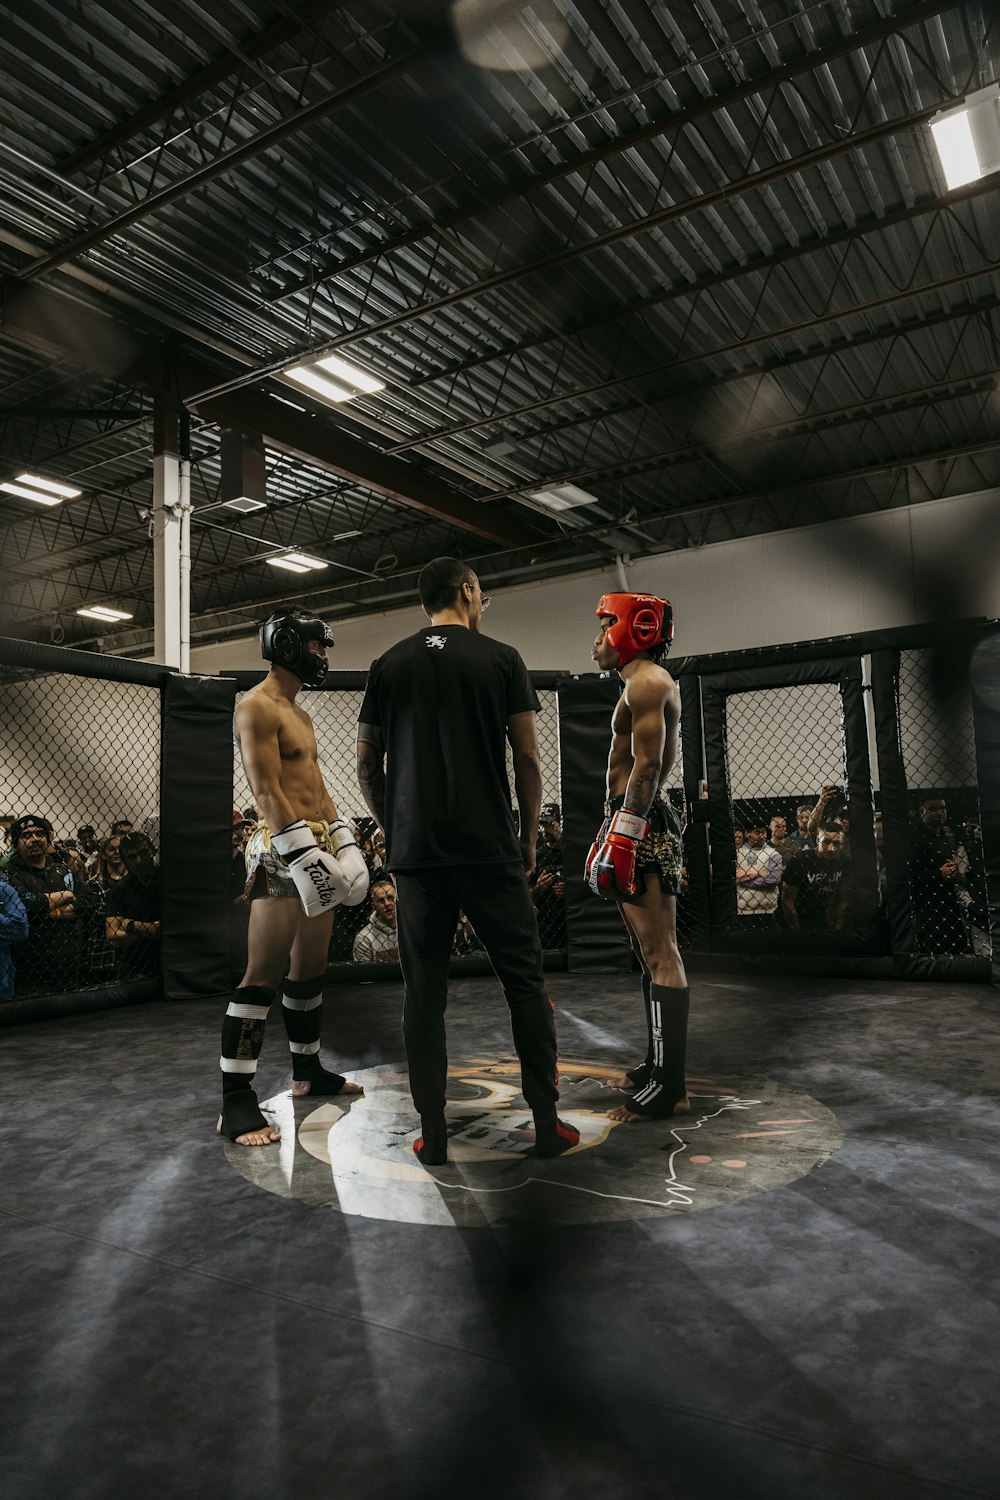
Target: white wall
[{"x": 863, "y": 573}]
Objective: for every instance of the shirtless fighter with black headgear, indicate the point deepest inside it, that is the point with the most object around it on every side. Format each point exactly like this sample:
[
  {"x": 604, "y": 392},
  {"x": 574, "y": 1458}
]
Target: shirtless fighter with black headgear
[
  {"x": 296, "y": 876},
  {"x": 636, "y": 857}
]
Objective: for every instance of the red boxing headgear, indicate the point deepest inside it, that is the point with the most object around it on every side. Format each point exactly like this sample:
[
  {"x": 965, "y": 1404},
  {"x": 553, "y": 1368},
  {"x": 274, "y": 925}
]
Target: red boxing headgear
[{"x": 642, "y": 622}]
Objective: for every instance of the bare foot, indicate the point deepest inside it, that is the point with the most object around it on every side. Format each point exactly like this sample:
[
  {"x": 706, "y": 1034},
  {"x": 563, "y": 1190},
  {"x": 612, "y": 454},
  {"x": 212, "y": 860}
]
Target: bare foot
[
  {"x": 626, "y": 1116},
  {"x": 266, "y": 1137},
  {"x": 301, "y": 1087},
  {"x": 621, "y": 1082}
]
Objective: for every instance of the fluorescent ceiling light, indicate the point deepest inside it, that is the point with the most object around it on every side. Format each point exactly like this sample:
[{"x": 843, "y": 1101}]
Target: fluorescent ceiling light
[
  {"x": 297, "y": 562},
  {"x": 26, "y": 494},
  {"x": 303, "y": 375},
  {"x": 347, "y": 382},
  {"x": 102, "y": 612},
  {"x": 563, "y": 497},
  {"x": 243, "y": 504},
  {"x": 956, "y": 149},
  {"x": 968, "y": 137},
  {"x": 67, "y": 491},
  {"x": 343, "y": 536},
  {"x": 350, "y": 375}
]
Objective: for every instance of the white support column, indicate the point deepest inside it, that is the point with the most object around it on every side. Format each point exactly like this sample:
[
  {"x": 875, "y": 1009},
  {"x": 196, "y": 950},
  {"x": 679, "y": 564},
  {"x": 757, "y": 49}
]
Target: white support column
[
  {"x": 185, "y": 564},
  {"x": 167, "y": 537}
]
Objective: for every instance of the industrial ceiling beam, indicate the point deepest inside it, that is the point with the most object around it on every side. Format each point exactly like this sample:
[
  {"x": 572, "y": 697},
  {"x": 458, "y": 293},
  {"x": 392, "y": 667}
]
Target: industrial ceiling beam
[
  {"x": 724, "y": 377},
  {"x": 235, "y": 157},
  {"x": 43, "y": 319},
  {"x": 92, "y": 413},
  {"x": 189, "y": 88},
  {"x": 582, "y": 162},
  {"x": 726, "y": 193},
  {"x": 761, "y": 266},
  {"x": 302, "y": 436},
  {"x": 813, "y": 423}
]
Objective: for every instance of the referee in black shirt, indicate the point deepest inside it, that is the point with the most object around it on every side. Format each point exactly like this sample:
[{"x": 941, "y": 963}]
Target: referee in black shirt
[{"x": 440, "y": 707}]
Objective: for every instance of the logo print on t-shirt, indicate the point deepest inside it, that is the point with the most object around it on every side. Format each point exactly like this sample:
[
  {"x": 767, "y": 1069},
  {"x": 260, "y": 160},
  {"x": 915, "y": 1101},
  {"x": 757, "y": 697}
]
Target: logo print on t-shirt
[{"x": 437, "y": 641}]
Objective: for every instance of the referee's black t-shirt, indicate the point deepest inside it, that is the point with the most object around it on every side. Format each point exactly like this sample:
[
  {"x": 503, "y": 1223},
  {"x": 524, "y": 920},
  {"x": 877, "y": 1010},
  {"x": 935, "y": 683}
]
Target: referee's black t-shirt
[{"x": 442, "y": 699}]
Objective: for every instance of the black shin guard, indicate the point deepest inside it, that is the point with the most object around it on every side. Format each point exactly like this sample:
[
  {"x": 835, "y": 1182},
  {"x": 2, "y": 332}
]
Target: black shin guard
[
  {"x": 302, "y": 1012},
  {"x": 666, "y": 1085},
  {"x": 242, "y": 1039},
  {"x": 640, "y": 1075}
]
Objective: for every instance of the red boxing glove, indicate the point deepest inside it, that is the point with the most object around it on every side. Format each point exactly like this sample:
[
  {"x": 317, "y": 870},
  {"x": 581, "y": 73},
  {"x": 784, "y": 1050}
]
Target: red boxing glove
[
  {"x": 612, "y": 862},
  {"x": 595, "y": 849}
]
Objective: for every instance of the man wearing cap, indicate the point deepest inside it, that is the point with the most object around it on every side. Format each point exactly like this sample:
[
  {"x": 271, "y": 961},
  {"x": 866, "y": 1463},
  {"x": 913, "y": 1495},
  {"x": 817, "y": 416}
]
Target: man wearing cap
[
  {"x": 302, "y": 862},
  {"x": 636, "y": 858},
  {"x": 55, "y": 901}
]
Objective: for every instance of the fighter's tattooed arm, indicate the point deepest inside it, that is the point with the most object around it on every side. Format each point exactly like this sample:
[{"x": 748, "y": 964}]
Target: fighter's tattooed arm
[
  {"x": 642, "y": 788},
  {"x": 371, "y": 770}
]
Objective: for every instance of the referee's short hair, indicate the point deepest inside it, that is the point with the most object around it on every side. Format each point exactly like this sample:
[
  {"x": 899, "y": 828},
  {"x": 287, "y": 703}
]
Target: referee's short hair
[{"x": 441, "y": 581}]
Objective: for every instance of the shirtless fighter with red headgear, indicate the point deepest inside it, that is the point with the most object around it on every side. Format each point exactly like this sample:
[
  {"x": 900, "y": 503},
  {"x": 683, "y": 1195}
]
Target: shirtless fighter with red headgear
[{"x": 636, "y": 857}]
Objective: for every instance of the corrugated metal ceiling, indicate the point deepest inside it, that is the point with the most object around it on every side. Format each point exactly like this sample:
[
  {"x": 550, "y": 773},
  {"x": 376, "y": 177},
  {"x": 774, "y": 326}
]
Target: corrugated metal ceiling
[{"x": 698, "y": 259}]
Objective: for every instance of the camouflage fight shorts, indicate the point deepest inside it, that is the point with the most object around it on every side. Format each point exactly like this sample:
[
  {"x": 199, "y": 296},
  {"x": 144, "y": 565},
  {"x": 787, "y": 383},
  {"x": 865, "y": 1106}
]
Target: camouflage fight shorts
[{"x": 267, "y": 872}]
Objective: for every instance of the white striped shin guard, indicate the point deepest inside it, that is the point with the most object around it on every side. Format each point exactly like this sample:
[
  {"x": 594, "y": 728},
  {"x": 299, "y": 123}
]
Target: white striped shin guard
[
  {"x": 302, "y": 1013},
  {"x": 243, "y": 1036}
]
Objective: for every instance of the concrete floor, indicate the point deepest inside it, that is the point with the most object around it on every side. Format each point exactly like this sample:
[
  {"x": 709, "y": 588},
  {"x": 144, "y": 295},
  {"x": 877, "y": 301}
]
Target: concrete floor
[{"x": 827, "y": 1329}]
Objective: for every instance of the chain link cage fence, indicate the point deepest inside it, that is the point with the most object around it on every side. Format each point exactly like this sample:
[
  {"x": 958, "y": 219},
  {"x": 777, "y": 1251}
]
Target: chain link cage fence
[
  {"x": 362, "y": 935},
  {"x": 84, "y": 756},
  {"x": 672, "y": 791},
  {"x": 787, "y": 766},
  {"x": 947, "y": 869}
]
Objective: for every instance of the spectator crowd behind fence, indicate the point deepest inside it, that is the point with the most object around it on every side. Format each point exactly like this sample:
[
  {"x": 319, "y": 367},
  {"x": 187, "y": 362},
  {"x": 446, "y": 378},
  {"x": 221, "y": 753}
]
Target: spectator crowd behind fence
[{"x": 80, "y": 760}]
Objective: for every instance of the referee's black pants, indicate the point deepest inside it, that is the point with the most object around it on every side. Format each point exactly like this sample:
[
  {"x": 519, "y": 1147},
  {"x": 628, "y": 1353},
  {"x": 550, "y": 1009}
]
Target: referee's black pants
[{"x": 497, "y": 901}]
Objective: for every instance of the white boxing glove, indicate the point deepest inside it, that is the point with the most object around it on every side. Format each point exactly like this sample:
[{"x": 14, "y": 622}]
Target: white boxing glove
[
  {"x": 318, "y": 877},
  {"x": 351, "y": 861}
]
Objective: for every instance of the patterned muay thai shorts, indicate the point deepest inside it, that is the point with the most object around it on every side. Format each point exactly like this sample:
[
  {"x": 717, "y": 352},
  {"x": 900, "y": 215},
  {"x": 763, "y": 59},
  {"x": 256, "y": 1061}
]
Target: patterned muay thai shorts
[
  {"x": 267, "y": 873},
  {"x": 660, "y": 853}
]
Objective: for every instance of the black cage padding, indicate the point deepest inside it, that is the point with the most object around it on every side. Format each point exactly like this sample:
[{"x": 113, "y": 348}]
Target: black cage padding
[
  {"x": 333, "y": 682},
  {"x": 57, "y": 659},
  {"x": 697, "y": 864},
  {"x": 358, "y": 681},
  {"x": 893, "y": 801},
  {"x": 196, "y": 802},
  {"x": 727, "y": 935},
  {"x": 78, "y": 1002},
  {"x": 595, "y": 935},
  {"x": 985, "y": 678}
]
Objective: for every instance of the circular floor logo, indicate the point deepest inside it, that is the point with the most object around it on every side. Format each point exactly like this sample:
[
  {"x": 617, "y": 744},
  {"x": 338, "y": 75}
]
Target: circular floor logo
[{"x": 743, "y": 1136}]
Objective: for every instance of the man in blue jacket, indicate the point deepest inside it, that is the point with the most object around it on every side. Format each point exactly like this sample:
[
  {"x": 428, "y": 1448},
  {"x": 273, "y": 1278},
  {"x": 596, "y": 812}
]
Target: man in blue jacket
[{"x": 13, "y": 929}]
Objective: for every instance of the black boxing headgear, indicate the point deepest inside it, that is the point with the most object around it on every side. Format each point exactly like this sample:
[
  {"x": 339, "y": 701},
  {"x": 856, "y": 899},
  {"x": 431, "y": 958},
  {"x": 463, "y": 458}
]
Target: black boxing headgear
[{"x": 284, "y": 641}]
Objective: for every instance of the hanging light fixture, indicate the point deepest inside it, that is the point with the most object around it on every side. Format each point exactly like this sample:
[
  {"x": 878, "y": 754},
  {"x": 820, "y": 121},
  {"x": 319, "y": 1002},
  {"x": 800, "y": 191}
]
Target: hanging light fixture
[
  {"x": 36, "y": 487},
  {"x": 335, "y": 379},
  {"x": 104, "y": 612},
  {"x": 967, "y": 137}
]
